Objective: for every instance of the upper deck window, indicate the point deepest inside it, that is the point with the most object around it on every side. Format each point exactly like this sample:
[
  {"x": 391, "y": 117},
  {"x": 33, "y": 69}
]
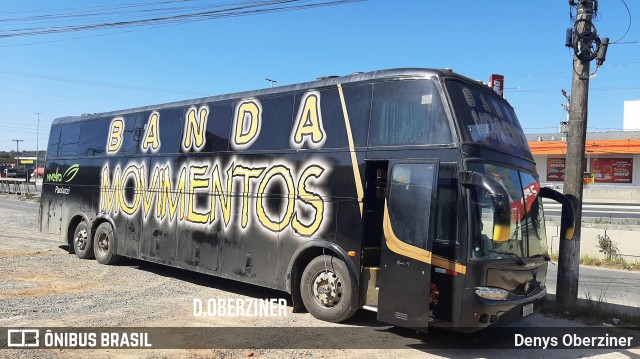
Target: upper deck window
[
  {"x": 487, "y": 118},
  {"x": 70, "y": 136},
  {"x": 54, "y": 141},
  {"x": 408, "y": 112}
]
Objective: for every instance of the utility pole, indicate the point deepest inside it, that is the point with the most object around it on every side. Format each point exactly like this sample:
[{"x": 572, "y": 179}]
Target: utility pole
[
  {"x": 587, "y": 47},
  {"x": 37, "y": 142},
  {"x": 17, "y": 151}
]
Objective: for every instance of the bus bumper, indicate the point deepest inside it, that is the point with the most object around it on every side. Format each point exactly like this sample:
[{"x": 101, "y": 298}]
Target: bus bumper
[{"x": 481, "y": 312}]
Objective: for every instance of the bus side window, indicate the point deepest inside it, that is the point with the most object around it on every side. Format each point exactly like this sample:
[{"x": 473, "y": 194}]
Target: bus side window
[
  {"x": 168, "y": 137},
  {"x": 133, "y": 132},
  {"x": 69, "y": 139},
  {"x": 410, "y": 202},
  {"x": 93, "y": 136},
  {"x": 446, "y": 222},
  {"x": 54, "y": 141},
  {"x": 277, "y": 115},
  {"x": 218, "y": 127},
  {"x": 408, "y": 113},
  {"x": 357, "y": 101}
]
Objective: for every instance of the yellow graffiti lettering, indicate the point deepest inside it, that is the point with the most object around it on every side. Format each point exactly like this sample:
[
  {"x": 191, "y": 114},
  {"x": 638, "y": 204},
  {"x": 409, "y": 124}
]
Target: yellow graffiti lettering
[
  {"x": 149, "y": 192},
  {"x": 160, "y": 200},
  {"x": 151, "y": 139},
  {"x": 248, "y": 120},
  {"x": 109, "y": 193},
  {"x": 308, "y": 127},
  {"x": 176, "y": 195},
  {"x": 195, "y": 129},
  {"x": 218, "y": 194},
  {"x": 310, "y": 198},
  {"x": 247, "y": 173},
  {"x": 116, "y": 129},
  {"x": 173, "y": 198},
  {"x": 276, "y": 226},
  {"x": 131, "y": 171},
  {"x": 195, "y": 182}
]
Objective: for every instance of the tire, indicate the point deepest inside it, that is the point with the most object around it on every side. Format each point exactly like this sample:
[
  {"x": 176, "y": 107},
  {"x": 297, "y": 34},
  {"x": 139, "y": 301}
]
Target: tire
[
  {"x": 82, "y": 243},
  {"x": 104, "y": 244},
  {"x": 327, "y": 273}
]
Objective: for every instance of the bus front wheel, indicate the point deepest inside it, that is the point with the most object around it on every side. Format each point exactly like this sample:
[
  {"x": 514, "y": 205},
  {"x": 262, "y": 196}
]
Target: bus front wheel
[
  {"x": 104, "y": 244},
  {"x": 326, "y": 289},
  {"x": 82, "y": 244}
]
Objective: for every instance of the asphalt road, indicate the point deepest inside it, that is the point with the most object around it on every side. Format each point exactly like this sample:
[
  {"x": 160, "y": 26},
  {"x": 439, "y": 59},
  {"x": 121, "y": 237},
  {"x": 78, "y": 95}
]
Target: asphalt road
[
  {"x": 598, "y": 210},
  {"x": 603, "y": 285},
  {"x": 19, "y": 206}
]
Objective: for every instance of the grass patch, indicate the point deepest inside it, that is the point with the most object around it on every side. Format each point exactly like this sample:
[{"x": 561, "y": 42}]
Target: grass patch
[
  {"x": 32, "y": 197},
  {"x": 613, "y": 262}
]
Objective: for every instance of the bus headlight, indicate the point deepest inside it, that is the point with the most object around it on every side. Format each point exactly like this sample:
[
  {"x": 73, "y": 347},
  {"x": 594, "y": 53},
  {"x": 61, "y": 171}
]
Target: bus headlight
[{"x": 491, "y": 293}]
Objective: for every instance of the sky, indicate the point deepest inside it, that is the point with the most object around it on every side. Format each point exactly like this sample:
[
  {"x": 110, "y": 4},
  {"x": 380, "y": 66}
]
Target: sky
[{"x": 71, "y": 73}]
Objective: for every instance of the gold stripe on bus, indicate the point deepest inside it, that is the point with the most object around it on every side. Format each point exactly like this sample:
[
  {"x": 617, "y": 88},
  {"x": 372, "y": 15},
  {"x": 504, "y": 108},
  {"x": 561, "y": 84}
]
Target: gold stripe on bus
[
  {"x": 447, "y": 264},
  {"x": 397, "y": 246},
  {"x": 354, "y": 158}
]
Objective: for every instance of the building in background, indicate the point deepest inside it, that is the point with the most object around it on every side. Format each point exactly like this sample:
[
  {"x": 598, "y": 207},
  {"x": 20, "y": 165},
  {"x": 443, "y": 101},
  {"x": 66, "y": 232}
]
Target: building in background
[{"x": 612, "y": 158}]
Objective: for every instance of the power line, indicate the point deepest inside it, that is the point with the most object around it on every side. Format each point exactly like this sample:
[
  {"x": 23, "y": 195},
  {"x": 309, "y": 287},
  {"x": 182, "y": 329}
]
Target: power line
[
  {"x": 71, "y": 97},
  {"x": 602, "y": 89},
  {"x": 628, "y": 26},
  {"x": 567, "y": 72},
  {"x": 236, "y": 9},
  {"x": 97, "y": 7},
  {"x": 96, "y": 83}
]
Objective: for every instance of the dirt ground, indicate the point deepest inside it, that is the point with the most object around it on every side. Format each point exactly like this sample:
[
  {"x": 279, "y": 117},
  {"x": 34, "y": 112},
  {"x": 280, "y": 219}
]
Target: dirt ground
[{"x": 41, "y": 285}]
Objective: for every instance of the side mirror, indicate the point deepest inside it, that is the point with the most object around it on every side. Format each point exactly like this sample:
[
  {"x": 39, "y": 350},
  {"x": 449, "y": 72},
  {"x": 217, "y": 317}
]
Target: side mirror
[{"x": 567, "y": 222}]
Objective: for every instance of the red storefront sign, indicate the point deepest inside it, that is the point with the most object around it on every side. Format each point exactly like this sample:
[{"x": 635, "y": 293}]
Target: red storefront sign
[
  {"x": 612, "y": 170},
  {"x": 555, "y": 169}
]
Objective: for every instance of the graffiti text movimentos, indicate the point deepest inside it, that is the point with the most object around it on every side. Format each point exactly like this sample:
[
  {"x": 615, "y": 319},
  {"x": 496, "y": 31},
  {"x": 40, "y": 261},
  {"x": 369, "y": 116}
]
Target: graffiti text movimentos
[
  {"x": 133, "y": 189},
  {"x": 178, "y": 192}
]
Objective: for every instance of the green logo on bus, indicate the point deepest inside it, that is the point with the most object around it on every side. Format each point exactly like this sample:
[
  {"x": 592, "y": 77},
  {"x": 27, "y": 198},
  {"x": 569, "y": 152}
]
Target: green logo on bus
[{"x": 67, "y": 176}]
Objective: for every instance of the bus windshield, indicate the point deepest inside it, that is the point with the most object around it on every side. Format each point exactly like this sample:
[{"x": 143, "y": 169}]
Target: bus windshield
[
  {"x": 527, "y": 236},
  {"x": 486, "y": 118}
]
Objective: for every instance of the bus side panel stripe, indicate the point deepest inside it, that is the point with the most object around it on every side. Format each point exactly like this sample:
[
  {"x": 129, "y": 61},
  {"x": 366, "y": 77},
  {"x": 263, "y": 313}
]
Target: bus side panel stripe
[
  {"x": 398, "y": 246},
  {"x": 354, "y": 158},
  {"x": 449, "y": 265}
]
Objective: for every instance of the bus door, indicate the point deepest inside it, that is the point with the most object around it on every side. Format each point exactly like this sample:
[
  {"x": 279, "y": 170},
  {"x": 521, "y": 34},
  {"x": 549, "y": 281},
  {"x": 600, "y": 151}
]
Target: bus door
[{"x": 405, "y": 263}]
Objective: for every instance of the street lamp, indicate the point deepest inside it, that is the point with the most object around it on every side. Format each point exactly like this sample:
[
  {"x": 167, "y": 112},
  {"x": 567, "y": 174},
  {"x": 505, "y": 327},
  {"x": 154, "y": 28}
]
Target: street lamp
[{"x": 272, "y": 81}]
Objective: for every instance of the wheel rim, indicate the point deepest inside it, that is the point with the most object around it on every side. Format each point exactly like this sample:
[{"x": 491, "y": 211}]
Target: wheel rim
[
  {"x": 81, "y": 240},
  {"x": 327, "y": 288},
  {"x": 103, "y": 243}
]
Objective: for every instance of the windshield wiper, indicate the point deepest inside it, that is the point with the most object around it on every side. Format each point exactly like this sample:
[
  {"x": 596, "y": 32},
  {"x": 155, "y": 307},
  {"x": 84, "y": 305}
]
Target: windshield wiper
[
  {"x": 543, "y": 256},
  {"x": 519, "y": 260}
]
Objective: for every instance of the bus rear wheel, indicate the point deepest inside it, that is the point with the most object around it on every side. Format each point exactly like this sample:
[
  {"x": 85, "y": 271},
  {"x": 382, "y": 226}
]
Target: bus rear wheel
[
  {"x": 82, "y": 244},
  {"x": 326, "y": 289},
  {"x": 104, "y": 244}
]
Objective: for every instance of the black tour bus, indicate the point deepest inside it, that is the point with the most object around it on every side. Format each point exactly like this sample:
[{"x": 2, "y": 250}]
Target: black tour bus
[{"x": 410, "y": 192}]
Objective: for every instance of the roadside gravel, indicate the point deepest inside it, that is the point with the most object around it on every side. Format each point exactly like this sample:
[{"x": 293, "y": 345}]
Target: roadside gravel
[{"x": 42, "y": 285}]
